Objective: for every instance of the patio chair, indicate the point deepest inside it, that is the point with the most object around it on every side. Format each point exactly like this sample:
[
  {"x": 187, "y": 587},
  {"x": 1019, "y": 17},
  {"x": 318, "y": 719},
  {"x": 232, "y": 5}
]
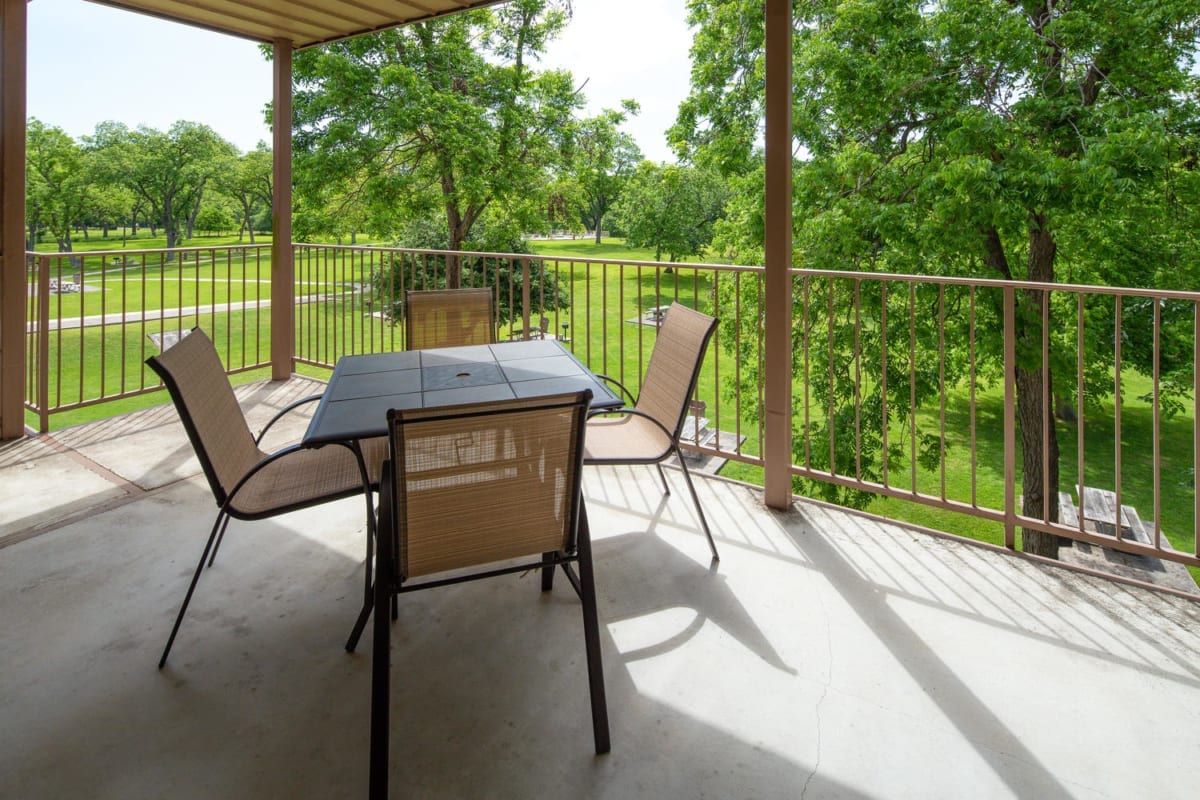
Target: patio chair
[
  {"x": 248, "y": 483},
  {"x": 449, "y": 318},
  {"x": 648, "y": 429},
  {"x": 470, "y": 489}
]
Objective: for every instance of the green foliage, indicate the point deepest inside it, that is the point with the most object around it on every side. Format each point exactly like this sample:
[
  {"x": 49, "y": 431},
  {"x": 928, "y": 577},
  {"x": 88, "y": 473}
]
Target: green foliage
[
  {"x": 601, "y": 158},
  {"x": 58, "y": 190},
  {"x": 1042, "y": 142},
  {"x": 443, "y": 117},
  {"x": 671, "y": 208},
  {"x": 403, "y": 271},
  {"x": 249, "y": 183},
  {"x": 168, "y": 172}
]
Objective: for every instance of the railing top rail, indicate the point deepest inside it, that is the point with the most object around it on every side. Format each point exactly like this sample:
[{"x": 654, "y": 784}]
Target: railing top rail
[
  {"x": 998, "y": 283},
  {"x": 536, "y": 256}
]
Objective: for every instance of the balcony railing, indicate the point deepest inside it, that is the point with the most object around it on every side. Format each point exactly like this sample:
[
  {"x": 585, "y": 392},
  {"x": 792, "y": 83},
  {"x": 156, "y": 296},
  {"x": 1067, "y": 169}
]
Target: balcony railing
[
  {"x": 904, "y": 387},
  {"x": 94, "y": 318}
]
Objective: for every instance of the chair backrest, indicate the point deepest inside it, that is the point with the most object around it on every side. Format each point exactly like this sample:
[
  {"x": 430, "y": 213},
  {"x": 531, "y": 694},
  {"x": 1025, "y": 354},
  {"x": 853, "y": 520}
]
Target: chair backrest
[
  {"x": 482, "y": 483},
  {"x": 449, "y": 318},
  {"x": 674, "y": 366},
  {"x": 192, "y": 372}
]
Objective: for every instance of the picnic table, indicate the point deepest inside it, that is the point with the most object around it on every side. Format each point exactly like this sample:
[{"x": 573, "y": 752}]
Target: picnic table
[{"x": 1098, "y": 508}]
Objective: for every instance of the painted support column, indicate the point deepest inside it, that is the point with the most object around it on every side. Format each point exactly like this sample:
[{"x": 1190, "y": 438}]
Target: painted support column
[
  {"x": 777, "y": 443},
  {"x": 12, "y": 218},
  {"x": 283, "y": 273}
]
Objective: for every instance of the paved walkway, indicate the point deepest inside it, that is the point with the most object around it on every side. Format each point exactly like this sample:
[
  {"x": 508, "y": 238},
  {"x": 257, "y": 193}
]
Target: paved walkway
[{"x": 152, "y": 315}]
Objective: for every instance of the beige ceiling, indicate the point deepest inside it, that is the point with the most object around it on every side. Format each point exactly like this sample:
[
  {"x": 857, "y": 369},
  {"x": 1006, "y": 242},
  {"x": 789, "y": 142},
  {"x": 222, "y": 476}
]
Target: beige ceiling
[{"x": 304, "y": 23}]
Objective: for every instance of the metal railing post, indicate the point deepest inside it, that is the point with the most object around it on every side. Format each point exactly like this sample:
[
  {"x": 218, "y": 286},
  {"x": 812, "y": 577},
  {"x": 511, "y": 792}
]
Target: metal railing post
[
  {"x": 1010, "y": 422},
  {"x": 777, "y": 251},
  {"x": 526, "y": 297},
  {"x": 43, "y": 343}
]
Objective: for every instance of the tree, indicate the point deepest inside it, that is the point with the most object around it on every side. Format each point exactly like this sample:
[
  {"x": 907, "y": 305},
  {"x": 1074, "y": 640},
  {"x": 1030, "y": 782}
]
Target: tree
[
  {"x": 671, "y": 208},
  {"x": 446, "y": 115},
  {"x": 248, "y": 182},
  {"x": 602, "y": 157},
  {"x": 1005, "y": 139},
  {"x": 169, "y": 171},
  {"x": 58, "y": 188}
]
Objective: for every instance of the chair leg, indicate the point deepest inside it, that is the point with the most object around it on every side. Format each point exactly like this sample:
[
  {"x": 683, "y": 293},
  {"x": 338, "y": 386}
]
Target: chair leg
[
  {"x": 380, "y": 671},
  {"x": 218, "y": 524},
  {"x": 663, "y": 477},
  {"x": 359, "y": 625},
  {"x": 696, "y": 500},
  {"x": 591, "y": 637},
  {"x": 548, "y": 571},
  {"x": 220, "y": 538}
]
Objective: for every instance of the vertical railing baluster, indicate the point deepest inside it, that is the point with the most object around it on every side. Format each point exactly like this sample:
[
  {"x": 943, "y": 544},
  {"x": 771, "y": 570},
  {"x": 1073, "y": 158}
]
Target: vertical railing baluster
[
  {"x": 1079, "y": 415},
  {"x": 43, "y": 329},
  {"x": 1047, "y": 411},
  {"x": 942, "y": 386},
  {"x": 857, "y": 379},
  {"x": 804, "y": 332},
  {"x": 829, "y": 313},
  {"x": 1196, "y": 428},
  {"x": 526, "y": 296},
  {"x": 971, "y": 390},
  {"x": 1157, "y": 428},
  {"x": 883, "y": 365},
  {"x": 1117, "y": 407},
  {"x": 912, "y": 386},
  {"x": 1010, "y": 427}
]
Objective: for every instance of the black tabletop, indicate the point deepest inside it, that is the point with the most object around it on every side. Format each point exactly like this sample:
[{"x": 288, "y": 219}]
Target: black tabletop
[{"x": 363, "y": 388}]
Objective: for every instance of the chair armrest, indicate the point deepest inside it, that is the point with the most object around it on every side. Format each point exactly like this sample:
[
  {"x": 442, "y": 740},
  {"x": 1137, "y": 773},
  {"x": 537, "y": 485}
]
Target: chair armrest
[
  {"x": 614, "y": 382},
  {"x": 633, "y": 412},
  {"x": 289, "y": 407}
]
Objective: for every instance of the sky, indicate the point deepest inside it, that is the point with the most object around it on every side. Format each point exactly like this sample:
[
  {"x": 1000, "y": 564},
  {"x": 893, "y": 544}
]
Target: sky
[{"x": 90, "y": 63}]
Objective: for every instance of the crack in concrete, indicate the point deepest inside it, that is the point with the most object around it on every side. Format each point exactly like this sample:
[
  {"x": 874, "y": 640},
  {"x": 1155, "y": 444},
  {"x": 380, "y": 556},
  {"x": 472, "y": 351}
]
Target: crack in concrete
[{"x": 824, "y": 694}]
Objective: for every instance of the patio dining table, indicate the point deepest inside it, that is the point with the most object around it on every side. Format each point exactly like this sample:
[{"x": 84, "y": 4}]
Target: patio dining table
[{"x": 363, "y": 388}]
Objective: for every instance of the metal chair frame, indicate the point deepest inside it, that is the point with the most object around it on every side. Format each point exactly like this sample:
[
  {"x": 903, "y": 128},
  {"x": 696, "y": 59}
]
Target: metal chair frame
[
  {"x": 389, "y": 583},
  {"x": 672, "y": 435}
]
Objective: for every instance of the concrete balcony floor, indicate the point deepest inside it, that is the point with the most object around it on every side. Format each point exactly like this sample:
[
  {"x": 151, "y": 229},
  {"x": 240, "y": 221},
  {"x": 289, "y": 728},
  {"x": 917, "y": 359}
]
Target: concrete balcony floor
[{"x": 827, "y": 655}]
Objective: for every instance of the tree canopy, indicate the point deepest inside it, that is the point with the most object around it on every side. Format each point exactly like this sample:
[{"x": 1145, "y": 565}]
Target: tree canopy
[
  {"x": 1020, "y": 140},
  {"x": 169, "y": 171},
  {"x": 671, "y": 208},
  {"x": 601, "y": 160},
  {"x": 446, "y": 117}
]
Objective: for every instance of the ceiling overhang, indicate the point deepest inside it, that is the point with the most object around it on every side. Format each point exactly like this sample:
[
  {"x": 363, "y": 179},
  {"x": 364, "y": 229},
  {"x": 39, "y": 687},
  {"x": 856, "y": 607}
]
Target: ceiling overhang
[{"x": 305, "y": 23}]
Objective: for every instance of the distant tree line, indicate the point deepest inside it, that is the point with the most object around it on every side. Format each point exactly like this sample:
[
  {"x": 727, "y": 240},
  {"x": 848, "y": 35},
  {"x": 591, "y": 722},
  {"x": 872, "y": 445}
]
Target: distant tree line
[{"x": 172, "y": 182}]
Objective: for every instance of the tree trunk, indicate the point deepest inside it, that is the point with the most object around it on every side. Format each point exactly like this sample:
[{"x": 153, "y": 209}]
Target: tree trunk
[
  {"x": 248, "y": 219},
  {"x": 190, "y": 222},
  {"x": 1039, "y": 486},
  {"x": 1032, "y": 416},
  {"x": 599, "y": 226}
]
